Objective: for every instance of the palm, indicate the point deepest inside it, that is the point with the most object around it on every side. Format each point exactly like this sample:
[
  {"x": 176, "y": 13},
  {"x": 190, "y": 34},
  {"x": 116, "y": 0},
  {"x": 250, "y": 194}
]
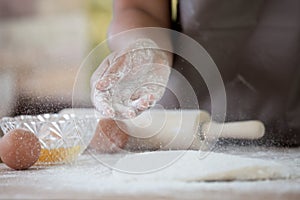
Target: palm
[{"x": 129, "y": 82}]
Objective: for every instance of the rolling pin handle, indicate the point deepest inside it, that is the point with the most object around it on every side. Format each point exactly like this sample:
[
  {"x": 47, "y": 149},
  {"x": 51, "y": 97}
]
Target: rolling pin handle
[{"x": 253, "y": 129}]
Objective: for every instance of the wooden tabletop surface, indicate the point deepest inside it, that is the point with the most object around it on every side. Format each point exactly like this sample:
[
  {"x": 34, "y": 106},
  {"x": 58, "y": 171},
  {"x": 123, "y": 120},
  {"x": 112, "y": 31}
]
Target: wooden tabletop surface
[{"x": 89, "y": 178}]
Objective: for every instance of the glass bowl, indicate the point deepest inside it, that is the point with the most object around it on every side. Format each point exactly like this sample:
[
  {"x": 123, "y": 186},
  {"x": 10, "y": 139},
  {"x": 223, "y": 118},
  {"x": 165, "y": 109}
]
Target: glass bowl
[{"x": 63, "y": 137}]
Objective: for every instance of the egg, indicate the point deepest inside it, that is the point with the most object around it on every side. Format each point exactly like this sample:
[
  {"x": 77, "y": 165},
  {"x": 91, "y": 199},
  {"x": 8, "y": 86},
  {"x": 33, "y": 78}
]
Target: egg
[
  {"x": 109, "y": 137},
  {"x": 19, "y": 149}
]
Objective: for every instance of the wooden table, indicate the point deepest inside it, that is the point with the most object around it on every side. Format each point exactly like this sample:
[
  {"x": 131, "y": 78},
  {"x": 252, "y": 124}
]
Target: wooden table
[{"x": 88, "y": 178}]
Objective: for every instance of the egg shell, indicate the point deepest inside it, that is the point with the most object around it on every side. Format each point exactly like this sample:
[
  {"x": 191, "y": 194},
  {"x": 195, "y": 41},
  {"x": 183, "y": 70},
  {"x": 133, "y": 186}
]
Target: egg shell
[{"x": 19, "y": 149}]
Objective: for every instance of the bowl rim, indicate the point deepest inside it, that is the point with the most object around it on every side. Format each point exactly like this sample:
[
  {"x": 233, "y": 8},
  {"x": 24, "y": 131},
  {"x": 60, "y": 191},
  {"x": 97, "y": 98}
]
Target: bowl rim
[{"x": 46, "y": 118}]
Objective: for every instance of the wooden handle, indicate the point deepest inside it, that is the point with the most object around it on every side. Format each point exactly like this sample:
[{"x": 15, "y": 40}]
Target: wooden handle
[{"x": 238, "y": 130}]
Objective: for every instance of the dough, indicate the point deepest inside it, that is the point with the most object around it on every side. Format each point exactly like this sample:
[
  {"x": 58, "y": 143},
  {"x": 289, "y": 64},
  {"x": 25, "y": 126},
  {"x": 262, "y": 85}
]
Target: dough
[{"x": 196, "y": 166}]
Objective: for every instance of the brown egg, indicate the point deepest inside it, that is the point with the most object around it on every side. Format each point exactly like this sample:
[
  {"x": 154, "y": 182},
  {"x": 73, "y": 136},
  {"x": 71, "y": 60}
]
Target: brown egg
[
  {"x": 108, "y": 138},
  {"x": 19, "y": 149}
]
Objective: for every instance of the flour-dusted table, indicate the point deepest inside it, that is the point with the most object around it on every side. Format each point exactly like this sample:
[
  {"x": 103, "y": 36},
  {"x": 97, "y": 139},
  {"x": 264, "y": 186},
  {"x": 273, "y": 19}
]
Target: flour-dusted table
[{"x": 88, "y": 178}]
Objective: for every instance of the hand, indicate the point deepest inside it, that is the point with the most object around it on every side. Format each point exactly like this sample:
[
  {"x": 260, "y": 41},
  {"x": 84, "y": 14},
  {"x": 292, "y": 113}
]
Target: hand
[
  {"x": 131, "y": 81},
  {"x": 108, "y": 137}
]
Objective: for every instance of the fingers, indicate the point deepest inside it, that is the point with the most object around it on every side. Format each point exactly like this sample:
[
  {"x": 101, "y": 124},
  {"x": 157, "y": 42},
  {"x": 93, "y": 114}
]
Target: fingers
[
  {"x": 144, "y": 102},
  {"x": 146, "y": 96},
  {"x": 102, "y": 103},
  {"x": 121, "y": 64},
  {"x": 107, "y": 82},
  {"x": 124, "y": 111},
  {"x": 116, "y": 69},
  {"x": 125, "y": 71}
]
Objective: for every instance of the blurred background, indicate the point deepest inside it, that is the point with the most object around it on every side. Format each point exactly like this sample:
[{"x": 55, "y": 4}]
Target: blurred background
[{"x": 42, "y": 44}]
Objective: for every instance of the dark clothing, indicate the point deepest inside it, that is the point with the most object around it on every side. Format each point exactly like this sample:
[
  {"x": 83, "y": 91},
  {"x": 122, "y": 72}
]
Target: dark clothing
[{"x": 256, "y": 47}]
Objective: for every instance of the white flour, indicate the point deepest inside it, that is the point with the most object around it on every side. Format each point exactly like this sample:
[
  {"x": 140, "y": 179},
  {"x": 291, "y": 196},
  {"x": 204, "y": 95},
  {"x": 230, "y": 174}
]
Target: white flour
[
  {"x": 194, "y": 166},
  {"x": 90, "y": 179}
]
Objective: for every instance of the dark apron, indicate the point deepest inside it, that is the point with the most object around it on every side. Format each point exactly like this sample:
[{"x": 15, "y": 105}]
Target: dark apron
[{"x": 256, "y": 47}]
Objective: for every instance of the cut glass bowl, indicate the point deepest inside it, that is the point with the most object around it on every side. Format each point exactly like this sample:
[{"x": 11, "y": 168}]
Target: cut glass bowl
[{"x": 63, "y": 137}]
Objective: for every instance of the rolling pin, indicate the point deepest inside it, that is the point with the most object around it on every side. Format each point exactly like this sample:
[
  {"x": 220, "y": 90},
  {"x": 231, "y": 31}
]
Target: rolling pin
[
  {"x": 184, "y": 129},
  {"x": 179, "y": 129}
]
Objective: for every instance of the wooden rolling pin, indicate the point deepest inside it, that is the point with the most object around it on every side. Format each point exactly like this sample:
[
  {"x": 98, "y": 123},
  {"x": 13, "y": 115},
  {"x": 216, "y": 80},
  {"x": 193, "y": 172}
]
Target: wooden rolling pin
[
  {"x": 179, "y": 129},
  {"x": 185, "y": 129}
]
